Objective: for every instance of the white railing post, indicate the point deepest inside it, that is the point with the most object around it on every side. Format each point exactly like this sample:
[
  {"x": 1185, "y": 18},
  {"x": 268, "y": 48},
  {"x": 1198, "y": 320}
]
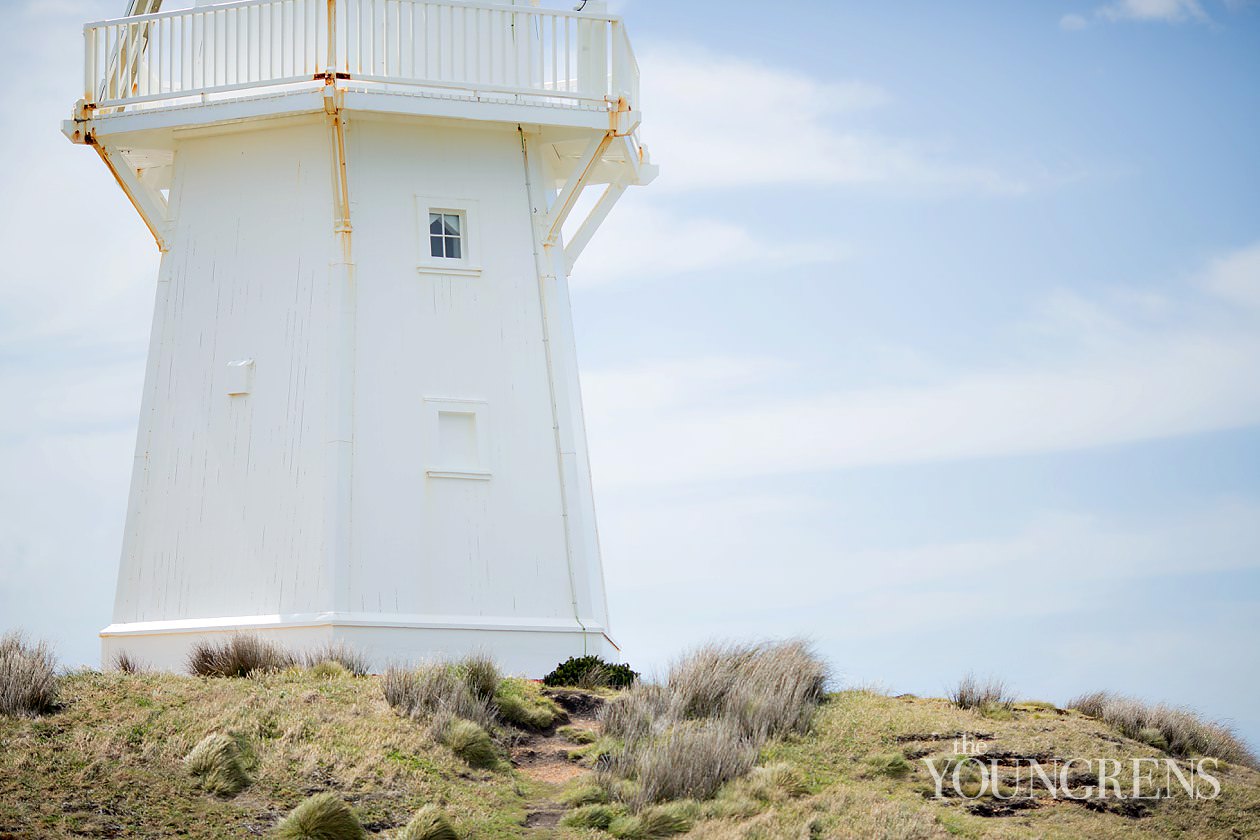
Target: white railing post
[{"x": 330, "y": 9}]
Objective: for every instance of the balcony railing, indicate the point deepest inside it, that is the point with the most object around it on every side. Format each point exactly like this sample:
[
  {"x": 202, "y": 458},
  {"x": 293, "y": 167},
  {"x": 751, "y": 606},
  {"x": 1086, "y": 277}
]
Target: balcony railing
[{"x": 524, "y": 52}]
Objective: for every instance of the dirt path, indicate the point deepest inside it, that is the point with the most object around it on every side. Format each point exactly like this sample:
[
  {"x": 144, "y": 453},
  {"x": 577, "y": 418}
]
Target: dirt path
[{"x": 544, "y": 756}]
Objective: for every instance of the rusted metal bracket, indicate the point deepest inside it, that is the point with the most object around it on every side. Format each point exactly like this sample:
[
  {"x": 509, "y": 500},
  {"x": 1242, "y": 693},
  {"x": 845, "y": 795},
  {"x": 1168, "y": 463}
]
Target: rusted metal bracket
[
  {"x": 149, "y": 202},
  {"x": 622, "y": 120},
  {"x": 334, "y": 103}
]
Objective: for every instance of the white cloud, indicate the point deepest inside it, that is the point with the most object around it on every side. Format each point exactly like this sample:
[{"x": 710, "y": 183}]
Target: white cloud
[
  {"x": 1171, "y": 11},
  {"x": 669, "y": 244},
  {"x": 1159, "y": 11},
  {"x": 1089, "y": 374},
  {"x": 722, "y": 121},
  {"x": 1236, "y": 277}
]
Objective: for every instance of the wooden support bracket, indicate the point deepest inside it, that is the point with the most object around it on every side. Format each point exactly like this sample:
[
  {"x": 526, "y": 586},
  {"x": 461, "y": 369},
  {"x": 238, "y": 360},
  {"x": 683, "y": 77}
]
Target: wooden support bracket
[{"x": 149, "y": 202}]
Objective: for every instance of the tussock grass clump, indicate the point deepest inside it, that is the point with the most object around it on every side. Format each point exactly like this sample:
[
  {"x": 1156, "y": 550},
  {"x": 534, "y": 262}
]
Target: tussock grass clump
[
  {"x": 471, "y": 743},
  {"x": 328, "y": 670},
  {"x": 435, "y": 693},
  {"x": 632, "y": 715},
  {"x": 239, "y": 655},
  {"x": 28, "y": 677},
  {"x": 766, "y": 689},
  {"x": 577, "y": 735},
  {"x": 661, "y": 821},
  {"x": 902, "y": 821},
  {"x": 322, "y": 817},
  {"x": 595, "y": 815},
  {"x": 429, "y": 823},
  {"x": 353, "y": 660},
  {"x": 893, "y": 765},
  {"x": 481, "y": 674},
  {"x": 585, "y": 794},
  {"x": 217, "y": 765},
  {"x": 125, "y": 663},
  {"x": 689, "y": 761},
  {"x": 704, "y": 727},
  {"x": 1179, "y": 732},
  {"x": 522, "y": 704},
  {"x": 776, "y": 781},
  {"x": 982, "y": 695}
]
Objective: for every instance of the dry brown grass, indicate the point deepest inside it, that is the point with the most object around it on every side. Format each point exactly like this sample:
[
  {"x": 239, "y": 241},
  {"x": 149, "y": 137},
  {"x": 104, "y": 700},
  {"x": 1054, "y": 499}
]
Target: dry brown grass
[
  {"x": 983, "y": 695},
  {"x": 238, "y": 655},
  {"x": 353, "y": 660},
  {"x": 704, "y": 726},
  {"x": 437, "y": 693},
  {"x": 765, "y": 690},
  {"x": 1179, "y": 732},
  {"x": 28, "y": 677},
  {"x": 126, "y": 663},
  {"x": 691, "y": 760}
]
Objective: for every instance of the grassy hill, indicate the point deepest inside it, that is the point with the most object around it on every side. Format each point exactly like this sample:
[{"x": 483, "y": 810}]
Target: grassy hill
[{"x": 109, "y": 761}]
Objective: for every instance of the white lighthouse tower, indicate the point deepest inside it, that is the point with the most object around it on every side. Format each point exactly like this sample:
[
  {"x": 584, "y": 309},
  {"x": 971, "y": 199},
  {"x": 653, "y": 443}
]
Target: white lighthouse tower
[{"x": 361, "y": 418}]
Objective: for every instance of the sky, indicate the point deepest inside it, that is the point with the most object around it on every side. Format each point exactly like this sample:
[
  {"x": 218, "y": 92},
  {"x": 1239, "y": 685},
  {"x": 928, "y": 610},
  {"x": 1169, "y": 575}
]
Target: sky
[{"x": 937, "y": 341}]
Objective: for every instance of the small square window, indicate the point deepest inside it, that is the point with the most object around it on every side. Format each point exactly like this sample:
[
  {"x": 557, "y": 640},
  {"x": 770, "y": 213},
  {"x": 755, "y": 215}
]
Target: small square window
[{"x": 446, "y": 236}]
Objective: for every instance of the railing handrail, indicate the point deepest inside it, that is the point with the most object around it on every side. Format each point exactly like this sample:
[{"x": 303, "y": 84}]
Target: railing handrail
[
  {"x": 579, "y": 57},
  {"x": 470, "y": 4}
]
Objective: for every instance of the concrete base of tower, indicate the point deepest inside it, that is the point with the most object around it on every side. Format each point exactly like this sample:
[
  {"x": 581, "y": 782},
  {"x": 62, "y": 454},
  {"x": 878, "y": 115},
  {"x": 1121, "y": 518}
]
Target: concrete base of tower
[{"x": 522, "y": 647}]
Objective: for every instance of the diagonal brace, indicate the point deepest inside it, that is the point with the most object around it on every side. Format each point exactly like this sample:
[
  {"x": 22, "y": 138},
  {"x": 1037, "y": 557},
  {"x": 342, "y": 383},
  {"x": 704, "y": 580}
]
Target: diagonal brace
[
  {"x": 149, "y": 202},
  {"x": 598, "y": 213},
  {"x": 577, "y": 181}
]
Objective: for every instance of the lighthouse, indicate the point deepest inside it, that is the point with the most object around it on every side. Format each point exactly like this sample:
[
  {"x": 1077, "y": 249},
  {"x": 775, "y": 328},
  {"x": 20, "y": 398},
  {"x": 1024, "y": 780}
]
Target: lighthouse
[{"x": 361, "y": 419}]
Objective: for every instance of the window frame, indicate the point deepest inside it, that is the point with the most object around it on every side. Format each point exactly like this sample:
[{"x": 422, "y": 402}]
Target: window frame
[{"x": 469, "y": 261}]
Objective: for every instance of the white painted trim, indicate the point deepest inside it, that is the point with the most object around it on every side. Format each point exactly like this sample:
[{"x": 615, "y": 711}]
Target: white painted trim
[
  {"x": 450, "y": 271},
  {"x": 349, "y": 619},
  {"x": 472, "y": 475}
]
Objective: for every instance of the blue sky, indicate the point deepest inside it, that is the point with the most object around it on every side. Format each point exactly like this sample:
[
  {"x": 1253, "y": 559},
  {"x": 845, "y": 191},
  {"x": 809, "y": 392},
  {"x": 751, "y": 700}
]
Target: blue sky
[{"x": 936, "y": 341}]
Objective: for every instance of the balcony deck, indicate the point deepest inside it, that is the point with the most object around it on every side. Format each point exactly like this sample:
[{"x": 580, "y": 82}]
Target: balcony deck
[{"x": 446, "y": 58}]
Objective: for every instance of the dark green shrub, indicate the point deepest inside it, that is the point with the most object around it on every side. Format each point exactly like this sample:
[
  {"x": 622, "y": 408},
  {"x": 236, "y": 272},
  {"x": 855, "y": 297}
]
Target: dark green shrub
[{"x": 591, "y": 672}]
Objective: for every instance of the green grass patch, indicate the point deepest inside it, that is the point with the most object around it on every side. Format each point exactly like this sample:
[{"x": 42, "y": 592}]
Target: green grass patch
[{"x": 521, "y": 703}]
